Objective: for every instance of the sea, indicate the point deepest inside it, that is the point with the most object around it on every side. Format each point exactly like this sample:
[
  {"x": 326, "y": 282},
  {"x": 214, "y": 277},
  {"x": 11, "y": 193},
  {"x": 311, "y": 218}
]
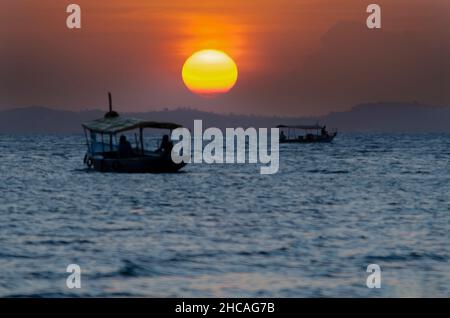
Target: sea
[{"x": 311, "y": 230}]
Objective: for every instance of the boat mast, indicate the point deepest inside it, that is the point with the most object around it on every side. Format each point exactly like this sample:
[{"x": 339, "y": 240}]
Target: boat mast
[
  {"x": 111, "y": 113},
  {"x": 110, "y": 101}
]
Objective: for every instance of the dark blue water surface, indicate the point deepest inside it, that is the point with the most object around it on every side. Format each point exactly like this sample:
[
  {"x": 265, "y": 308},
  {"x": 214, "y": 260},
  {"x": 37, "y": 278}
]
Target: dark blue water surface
[{"x": 225, "y": 230}]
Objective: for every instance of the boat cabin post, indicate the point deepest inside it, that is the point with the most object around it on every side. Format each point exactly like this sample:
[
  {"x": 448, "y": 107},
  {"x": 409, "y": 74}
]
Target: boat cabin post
[{"x": 141, "y": 137}]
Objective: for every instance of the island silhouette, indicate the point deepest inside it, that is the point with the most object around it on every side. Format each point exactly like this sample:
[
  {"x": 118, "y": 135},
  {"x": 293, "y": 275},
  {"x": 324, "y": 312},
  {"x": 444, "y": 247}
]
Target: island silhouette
[{"x": 383, "y": 117}]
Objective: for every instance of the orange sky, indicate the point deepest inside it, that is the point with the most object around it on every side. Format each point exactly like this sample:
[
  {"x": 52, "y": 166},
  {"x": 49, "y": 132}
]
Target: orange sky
[{"x": 295, "y": 57}]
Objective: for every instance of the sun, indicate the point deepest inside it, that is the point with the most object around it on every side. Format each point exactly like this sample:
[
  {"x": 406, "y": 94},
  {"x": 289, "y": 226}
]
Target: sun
[{"x": 209, "y": 73}]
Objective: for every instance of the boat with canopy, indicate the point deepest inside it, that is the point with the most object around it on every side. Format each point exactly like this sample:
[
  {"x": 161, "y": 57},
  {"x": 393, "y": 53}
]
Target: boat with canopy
[
  {"x": 311, "y": 134},
  {"x": 106, "y": 154}
]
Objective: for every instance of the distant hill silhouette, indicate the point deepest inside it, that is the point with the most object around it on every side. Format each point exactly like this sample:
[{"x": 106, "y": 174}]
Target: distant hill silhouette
[{"x": 373, "y": 117}]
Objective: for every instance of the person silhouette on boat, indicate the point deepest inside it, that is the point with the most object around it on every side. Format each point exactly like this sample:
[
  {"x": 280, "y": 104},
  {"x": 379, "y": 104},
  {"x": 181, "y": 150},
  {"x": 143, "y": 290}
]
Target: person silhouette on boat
[
  {"x": 125, "y": 149},
  {"x": 166, "y": 145},
  {"x": 282, "y": 136},
  {"x": 324, "y": 131}
]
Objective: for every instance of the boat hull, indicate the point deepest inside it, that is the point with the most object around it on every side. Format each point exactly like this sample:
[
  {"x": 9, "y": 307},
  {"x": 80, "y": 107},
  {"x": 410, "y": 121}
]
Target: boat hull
[
  {"x": 317, "y": 139},
  {"x": 153, "y": 164}
]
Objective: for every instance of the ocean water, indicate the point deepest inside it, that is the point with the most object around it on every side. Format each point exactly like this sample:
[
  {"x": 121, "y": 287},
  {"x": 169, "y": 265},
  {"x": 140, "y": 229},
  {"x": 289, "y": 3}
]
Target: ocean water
[{"x": 225, "y": 230}]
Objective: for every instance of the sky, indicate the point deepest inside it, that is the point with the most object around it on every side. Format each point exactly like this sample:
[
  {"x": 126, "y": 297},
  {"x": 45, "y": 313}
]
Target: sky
[{"x": 295, "y": 57}]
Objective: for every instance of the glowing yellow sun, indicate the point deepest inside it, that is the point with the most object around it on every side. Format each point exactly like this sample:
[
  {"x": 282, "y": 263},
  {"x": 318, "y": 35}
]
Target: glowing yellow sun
[{"x": 209, "y": 72}]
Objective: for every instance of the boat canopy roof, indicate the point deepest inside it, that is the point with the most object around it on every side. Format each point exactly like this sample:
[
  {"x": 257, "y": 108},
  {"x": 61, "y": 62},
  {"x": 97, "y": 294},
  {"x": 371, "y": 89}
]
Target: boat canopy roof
[
  {"x": 306, "y": 127},
  {"x": 119, "y": 124}
]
